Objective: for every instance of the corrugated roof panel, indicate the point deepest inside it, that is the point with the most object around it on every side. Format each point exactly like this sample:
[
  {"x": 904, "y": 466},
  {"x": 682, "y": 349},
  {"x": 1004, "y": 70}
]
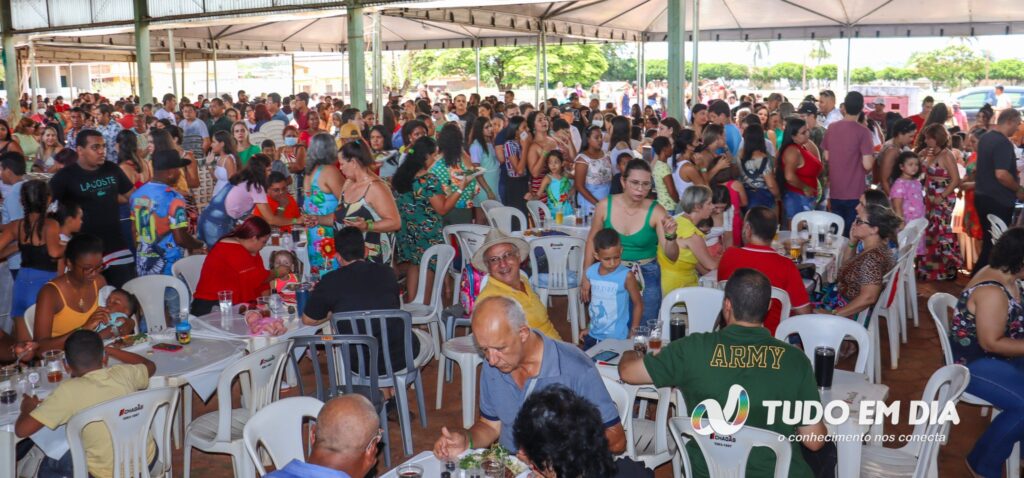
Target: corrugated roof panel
[{"x": 28, "y": 14}]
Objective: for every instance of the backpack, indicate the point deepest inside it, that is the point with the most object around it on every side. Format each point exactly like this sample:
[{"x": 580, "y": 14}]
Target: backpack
[{"x": 472, "y": 283}]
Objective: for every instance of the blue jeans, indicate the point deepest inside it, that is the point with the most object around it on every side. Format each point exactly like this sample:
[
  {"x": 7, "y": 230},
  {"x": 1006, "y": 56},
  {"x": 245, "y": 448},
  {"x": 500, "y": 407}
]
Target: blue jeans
[
  {"x": 847, "y": 209},
  {"x": 26, "y": 288},
  {"x": 793, "y": 203},
  {"x": 214, "y": 222},
  {"x": 1001, "y": 383},
  {"x": 651, "y": 273},
  {"x": 760, "y": 197}
]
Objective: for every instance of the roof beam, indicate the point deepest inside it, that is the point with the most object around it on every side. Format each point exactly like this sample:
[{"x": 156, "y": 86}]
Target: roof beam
[
  {"x": 236, "y": 32},
  {"x": 808, "y": 10},
  {"x": 634, "y": 7},
  {"x": 732, "y": 14},
  {"x": 296, "y": 32},
  {"x": 872, "y": 12}
]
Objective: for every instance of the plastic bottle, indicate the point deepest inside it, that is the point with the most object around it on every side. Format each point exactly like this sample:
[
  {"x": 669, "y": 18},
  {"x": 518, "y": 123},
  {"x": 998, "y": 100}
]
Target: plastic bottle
[
  {"x": 183, "y": 332},
  {"x": 275, "y": 304}
]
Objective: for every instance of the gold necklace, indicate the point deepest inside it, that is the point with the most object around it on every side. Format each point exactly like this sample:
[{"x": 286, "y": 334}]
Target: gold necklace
[{"x": 81, "y": 300}]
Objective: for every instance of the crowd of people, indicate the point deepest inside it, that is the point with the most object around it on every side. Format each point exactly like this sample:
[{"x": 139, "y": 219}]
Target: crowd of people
[{"x": 99, "y": 191}]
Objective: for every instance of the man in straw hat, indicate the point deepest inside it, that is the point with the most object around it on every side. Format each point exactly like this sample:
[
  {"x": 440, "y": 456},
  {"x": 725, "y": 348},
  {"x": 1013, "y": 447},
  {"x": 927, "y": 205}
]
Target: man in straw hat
[{"x": 500, "y": 256}]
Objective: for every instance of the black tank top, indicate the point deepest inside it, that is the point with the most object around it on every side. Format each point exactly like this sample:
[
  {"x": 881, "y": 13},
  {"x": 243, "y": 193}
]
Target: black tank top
[{"x": 35, "y": 257}]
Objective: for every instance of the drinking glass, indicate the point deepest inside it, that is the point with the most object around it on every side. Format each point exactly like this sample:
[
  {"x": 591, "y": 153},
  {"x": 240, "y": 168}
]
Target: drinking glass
[
  {"x": 640, "y": 335},
  {"x": 494, "y": 469},
  {"x": 263, "y": 305},
  {"x": 410, "y": 471},
  {"x": 226, "y": 300},
  {"x": 53, "y": 361},
  {"x": 8, "y": 382},
  {"x": 654, "y": 342},
  {"x": 824, "y": 366}
]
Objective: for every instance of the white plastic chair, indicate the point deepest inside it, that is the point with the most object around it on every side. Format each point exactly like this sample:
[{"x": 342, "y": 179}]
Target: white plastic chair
[
  {"x": 150, "y": 292},
  {"x": 278, "y": 426},
  {"x": 785, "y": 306},
  {"x": 536, "y": 208},
  {"x": 461, "y": 350},
  {"x": 489, "y": 204},
  {"x": 273, "y": 130},
  {"x": 30, "y": 320},
  {"x": 919, "y": 457},
  {"x": 130, "y": 420},
  {"x": 823, "y": 330},
  {"x": 908, "y": 273},
  {"x": 501, "y": 218},
  {"x": 469, "y": 237},
  {"x": 998, "y": 227},
  {"x": 939, "y": 306},
  {"x": 728, "y": 458},
  {"x": 220, "y": 431},
  {"x": 564, "y": 255},
  {"x": 817, "y": 220},
  {"x": 871, "y": 317},
  {"x": 702, "y": 307},
  {"x": 430, "y": 314},
  {"x": 646, "y": 440},
  {"x": 187, "y": 269}
]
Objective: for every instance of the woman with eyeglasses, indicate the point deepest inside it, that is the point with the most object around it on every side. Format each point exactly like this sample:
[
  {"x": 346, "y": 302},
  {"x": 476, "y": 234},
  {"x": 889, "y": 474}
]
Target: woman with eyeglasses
[
  {"x": 860, "y": 278},
  {"x": 644, "y": 227},
  {"x": 694, "y": 255},
  {"x": 798, "y": 173}
]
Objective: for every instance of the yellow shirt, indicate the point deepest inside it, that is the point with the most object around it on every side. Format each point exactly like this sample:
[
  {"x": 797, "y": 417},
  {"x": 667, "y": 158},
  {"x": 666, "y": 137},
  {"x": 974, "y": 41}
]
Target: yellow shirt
[
  {"x": 682, "y": 272},
  {"x": 536, "y": 312},
  {"x": 79, "y": 393}
]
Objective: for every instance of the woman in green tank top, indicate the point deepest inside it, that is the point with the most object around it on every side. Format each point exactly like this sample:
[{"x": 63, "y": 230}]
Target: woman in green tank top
[{"x": 643, "y": 225}]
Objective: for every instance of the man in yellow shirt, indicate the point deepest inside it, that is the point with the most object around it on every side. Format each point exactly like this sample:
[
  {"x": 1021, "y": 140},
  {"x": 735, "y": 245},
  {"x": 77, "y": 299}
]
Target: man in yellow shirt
[
  {"x": 91, "y": 384},
  {"x": 500, "y": 256}
]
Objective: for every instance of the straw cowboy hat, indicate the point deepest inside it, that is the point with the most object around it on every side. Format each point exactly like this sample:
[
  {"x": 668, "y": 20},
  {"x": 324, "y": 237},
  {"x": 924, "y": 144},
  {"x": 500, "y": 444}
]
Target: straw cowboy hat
[{"x": 494, "y": 238}]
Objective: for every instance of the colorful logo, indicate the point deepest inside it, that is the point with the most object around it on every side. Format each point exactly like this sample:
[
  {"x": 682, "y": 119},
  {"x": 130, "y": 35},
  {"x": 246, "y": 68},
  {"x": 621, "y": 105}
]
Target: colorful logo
[
  {"x": 125, "y": 411},
  {"x": 708, "y": 416}
]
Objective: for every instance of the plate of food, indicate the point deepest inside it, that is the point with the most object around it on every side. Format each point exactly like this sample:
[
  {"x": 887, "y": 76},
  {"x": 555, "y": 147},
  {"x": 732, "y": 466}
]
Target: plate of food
[
  {"x": 482, "y": 459},
  {"x": 129, "y": 340}
]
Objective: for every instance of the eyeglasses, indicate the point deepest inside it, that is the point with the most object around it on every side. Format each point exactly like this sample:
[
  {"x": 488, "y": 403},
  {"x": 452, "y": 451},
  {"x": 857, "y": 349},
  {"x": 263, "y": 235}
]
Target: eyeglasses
[
  {"x": 639, "y": 184},
  {"x": 376, "y": 439},
  {"x": 495, "y": 260},
  {"x": 862, "y": 222}
]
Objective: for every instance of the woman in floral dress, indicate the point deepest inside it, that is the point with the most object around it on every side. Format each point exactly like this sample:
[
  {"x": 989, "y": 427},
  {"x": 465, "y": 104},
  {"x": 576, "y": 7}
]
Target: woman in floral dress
[
  {"x": 422, "y": 200},
  {"x": 321, "y": 187},
  {"x": 942, "y": 258}
]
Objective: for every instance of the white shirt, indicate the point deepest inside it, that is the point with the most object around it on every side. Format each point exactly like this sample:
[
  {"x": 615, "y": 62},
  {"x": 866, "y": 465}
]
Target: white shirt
[
  {"x": 1002, "y": 103},
  {"x": 831, "y": 117},
  {"x": 164, "y": 114}
]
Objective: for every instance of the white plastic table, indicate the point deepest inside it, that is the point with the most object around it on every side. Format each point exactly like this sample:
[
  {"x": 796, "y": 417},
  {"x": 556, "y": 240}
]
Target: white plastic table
[
  {"x": 52, "y": 442},
  {"x": 432, "y": 467}
]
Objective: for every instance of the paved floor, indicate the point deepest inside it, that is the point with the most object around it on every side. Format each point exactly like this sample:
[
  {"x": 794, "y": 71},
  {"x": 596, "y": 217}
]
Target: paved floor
[{"x": 920, "y": 357}]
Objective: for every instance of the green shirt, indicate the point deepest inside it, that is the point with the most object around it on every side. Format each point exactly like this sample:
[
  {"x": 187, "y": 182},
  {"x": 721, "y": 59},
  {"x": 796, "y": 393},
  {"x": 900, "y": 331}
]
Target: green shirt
[
  {"x": 222, "y": 124},
  {"x": 247, "y": 153},
  {"x": 706, "y": 365}
]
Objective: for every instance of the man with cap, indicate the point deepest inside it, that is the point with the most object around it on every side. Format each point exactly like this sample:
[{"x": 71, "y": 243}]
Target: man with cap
[
  {"x": 500, "y": 256},
  {"x": 159, "y": 217},
  {"x": 517, "y": 362},
  {"x": 808, "y": 112},
  {"x": 878, "y": 110},
  {"x": 348, "y": 133}
]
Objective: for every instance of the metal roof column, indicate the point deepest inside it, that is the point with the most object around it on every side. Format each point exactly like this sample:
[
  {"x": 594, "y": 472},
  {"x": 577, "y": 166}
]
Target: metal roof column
[
  {"x": 142, "y": 52},
  {"x": 34, "y": 69},
  {"x": 476, "y": 47},
  {"x": 378, "y": 69},
  {"x": 174, "y": 81},
  {"x": 676, "y": 57},
  {"x": 536, "y": 88},
  {"x": 10, "y": 59},
  {"x": 695, "y": 74},
  {"x": 356, "y": 55}
]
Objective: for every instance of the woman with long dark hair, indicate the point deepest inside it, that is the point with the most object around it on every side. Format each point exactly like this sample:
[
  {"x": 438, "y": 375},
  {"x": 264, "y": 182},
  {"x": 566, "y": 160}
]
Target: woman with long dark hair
[
  {"x": 592, "y": 173},
  {"x": 7, "y": 142},
  {"x": 38, "y": 243},
  {"x": 222, "y": 160},
  {"x": 517, "y": 183},
  {"x": 901, "y": 134},
  {"x": 380, "y": 146},
  {"x": 421, "y": 201},
  {"x": 539, "y": 126},
  {"x": 247, "y": 191},
  {"x": 685, "y": 172},
  {"x": 939, "y": 115},
  {"x": 942, "y": 177},
  {"x": 366, "y": 203},
  {"x": 619, "y": 141},
  {"x": 234, "y": 264},
  {"x": 757, "y": 169},
  {"x": 798, "y": 169},
  {"x": 452, "y": 169},
  {"x": 482, "y": 155}
]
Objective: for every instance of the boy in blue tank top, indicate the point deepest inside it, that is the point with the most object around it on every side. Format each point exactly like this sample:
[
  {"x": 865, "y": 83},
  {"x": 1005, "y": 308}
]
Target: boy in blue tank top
[{"x": 615, "y": 301}]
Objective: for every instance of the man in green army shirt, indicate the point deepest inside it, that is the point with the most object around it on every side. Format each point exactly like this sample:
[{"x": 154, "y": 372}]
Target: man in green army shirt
[{"x": 706, "y": 365}]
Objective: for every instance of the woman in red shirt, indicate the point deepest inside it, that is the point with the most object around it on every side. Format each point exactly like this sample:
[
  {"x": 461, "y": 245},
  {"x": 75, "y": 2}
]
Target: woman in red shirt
[
  {"x": 234, "y": 264},
  {"x": 799, "y": 169}
]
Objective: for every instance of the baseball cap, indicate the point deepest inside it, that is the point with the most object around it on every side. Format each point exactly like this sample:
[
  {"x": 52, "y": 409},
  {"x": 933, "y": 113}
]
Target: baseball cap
[
  {"x": 810, "y": 98},
  {"x": 807, "y": 108},
  {"x": 169, "y": 159},
  {"x": 349, "y": 131},
  {"x": 879, "y": 101}
]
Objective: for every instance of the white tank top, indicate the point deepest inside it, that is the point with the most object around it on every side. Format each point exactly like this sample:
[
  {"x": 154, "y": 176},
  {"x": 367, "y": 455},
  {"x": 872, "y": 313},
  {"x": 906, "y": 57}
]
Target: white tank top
[{"x": 681, "y": 184}]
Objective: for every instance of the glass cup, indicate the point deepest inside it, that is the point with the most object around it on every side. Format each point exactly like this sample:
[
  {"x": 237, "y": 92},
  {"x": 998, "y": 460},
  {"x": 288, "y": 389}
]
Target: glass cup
[
  {"x": 824, "y": 366},
  {"x": 494, "y": 468},
  {"x": 640, "y": 335},
  {"x": 8, "y": 383},
  {"x": 654, "y": 341},
  {"x": 53, "y": 362},
  {"x": 226, "y": 300},
  {"x": 795, "y": 249},
  {"x": 410, "y": 471}
]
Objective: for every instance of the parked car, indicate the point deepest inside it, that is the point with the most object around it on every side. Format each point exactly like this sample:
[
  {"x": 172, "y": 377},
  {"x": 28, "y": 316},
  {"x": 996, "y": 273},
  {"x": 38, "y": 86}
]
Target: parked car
[{"x": 972, "y": 99}]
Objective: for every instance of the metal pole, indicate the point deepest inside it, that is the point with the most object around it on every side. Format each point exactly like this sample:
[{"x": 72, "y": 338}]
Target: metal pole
[
  {"x": 142, "y": 52},
  {"x": 206, "y": 61},
  {"x": 695, "y": 74},
  {"x": 342, "y": 91},
  {"x": 174, "y": 78},
  {"x": 216, "y": 84},
  {"x": 378, "y": 70},
  {"x": 476, "y": 44},
  {"x": 183, "y": 55},
  {"x": 35, "y": 76},
  {"x": 71, "y": 81},
  {"x": 849, "y": 47},
  {"x": 676, "y": 57},
  {"x": 544, "y": 52},
  {"x": 294, "y": 89},
  {"x": 639, "y": 70},
  {"x": 356, "y": 55},
  {"x": 536, "y": 89},
  {"x": 10, "y": 59}
]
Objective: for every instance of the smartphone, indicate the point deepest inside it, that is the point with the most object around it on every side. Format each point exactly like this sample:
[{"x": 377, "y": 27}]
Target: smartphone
[
  {"x": 165, "y": 347},
  {"x": 648, "y": 153},
  {"x": 606, "y": 356}
]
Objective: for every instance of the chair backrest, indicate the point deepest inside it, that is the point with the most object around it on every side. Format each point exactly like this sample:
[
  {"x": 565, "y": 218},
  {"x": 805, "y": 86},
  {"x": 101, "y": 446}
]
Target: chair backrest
[
  {"x": 535, "y": 207},
  {"x": 785, "y": 306},
  {"x": 702, "y": 307},
  {"x": 564, "y": 256},
  {"x": 817, "y": 330},
  {"x": 374, "y": 323},
  {"x": 274, "y": 130},
  {"x": 129, "y": 420},
  {"x": 468, "y": 237},
  {"x": 945, "y": 386},
  {"x": 939, "y": 305},
  {"x": 444, "y": 254},
  {"x": 30, "y": 320},
  {"x": 619, "y": 394},
  {"x": 187, "y": 270},
  {"x": 998, "y": 226},
  {"x": 150, "y": 292},
  {"x": 728, "y": 458},
  {"x": 279, "y": 428},
  {"x": 489, "y": 204},
  {"x": 352, "y": 365},
  {"x": 260, "y": 387},
  {"x": 502, "y": 217},
  {"x": 816, "y": 220},
  {"x": 268, "y": 251},
  {"x": 912, "y": 232}
]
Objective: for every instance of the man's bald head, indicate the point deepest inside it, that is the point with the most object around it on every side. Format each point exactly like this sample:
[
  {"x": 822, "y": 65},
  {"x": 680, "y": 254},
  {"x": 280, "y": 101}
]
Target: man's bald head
[
  {"x": 346, "y": 425},
  {"x": 500, "y": 331},
  {"x": 498, "y": 311}
]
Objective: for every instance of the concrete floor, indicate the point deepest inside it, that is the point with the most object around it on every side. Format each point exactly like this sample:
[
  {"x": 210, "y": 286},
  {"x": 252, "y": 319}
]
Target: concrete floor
[{"x": 920, "y": 357}]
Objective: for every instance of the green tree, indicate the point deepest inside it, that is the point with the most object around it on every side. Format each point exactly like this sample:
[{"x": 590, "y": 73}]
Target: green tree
[
  {"x": 657, "y": 69},
  {"x": 826, "y": 72},
  {"x": 621, "y": 59},
  {"x": 785, "y": 71},
  {"x": 892, "y": 73},
  {"x": 863, "y": 75},
  {"x": 949, "y": 66},
  {"x": 573, "y": 64},
  {"x": 1011, "y": 70},
  {"x": 819, "y": 51},
  {"x": 729, "y": 71}
]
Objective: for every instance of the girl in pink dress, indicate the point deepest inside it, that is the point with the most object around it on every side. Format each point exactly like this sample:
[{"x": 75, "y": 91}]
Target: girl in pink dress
[{"x": 907, "y": 193}]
